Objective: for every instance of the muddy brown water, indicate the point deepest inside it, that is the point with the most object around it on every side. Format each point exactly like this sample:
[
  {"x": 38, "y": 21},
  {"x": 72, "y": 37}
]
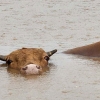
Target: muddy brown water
[{"x": 51, "y": 24}]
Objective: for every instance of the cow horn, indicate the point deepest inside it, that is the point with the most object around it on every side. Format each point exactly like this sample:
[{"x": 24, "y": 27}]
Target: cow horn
[
  {"x": 50, "y": 53},
  {"x": 3, "y": 58}
]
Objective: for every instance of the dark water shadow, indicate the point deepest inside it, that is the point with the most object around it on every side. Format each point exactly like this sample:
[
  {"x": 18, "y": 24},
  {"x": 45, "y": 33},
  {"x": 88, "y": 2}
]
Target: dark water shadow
[
  {"x": 3, "y": 65},
  {"x": 97, "y": 59},
  {"x": 14, "y": 72}
]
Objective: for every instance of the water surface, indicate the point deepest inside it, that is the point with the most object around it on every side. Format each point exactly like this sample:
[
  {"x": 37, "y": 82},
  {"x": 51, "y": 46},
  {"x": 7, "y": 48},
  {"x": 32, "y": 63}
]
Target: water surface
[{"x": 51, "y": 24}]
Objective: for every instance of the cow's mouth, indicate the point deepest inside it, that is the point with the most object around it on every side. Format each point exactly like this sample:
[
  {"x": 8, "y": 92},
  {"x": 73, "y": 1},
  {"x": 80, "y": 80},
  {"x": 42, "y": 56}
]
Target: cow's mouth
[{"x": 31, "y": 69}]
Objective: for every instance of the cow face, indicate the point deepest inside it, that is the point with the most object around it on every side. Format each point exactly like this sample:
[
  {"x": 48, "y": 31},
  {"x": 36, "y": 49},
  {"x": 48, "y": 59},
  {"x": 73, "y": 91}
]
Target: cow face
[{"x": 28, "y": 60}]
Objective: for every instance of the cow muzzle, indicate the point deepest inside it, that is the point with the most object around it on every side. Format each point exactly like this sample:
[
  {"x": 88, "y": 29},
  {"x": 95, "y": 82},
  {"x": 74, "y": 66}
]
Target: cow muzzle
[{"x": 31, "y": 69}]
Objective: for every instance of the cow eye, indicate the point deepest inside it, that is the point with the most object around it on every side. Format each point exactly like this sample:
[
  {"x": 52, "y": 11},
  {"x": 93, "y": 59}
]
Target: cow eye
[
  {"x": 9, "y": 61},
  {"x": 46, "y": 58}
]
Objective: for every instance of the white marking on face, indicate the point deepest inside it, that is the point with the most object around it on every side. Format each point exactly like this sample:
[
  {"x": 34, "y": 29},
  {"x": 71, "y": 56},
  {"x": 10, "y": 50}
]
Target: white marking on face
[{"x": 32, "y": 69}]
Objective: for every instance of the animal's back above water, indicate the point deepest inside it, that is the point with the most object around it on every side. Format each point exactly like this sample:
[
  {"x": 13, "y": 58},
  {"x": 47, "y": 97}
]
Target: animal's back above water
[{"x": 92, "y": 50}]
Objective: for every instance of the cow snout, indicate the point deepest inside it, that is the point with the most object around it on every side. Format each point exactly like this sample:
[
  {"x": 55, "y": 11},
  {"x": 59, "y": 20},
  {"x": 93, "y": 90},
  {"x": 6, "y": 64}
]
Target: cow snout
[{"x": 31, "y": 69}]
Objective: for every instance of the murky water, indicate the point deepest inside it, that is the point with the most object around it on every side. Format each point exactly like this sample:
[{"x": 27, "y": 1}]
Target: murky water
[{"x": 51, "y": 24}]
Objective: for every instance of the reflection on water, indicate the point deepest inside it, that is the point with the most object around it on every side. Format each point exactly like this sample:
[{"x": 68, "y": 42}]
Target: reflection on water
[{"x": 51, "y": 24}]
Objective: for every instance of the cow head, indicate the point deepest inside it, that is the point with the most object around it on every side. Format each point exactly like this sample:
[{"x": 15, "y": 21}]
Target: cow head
[{"x": 28, "y": 60}]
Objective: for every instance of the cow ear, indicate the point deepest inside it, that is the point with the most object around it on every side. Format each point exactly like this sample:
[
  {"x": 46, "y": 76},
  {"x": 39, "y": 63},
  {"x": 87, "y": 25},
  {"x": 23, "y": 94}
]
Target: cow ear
[
  {"x": 46, "y": 58},
  {"x": 9, "y": 61},
  {"x": 24, "y": 68}
]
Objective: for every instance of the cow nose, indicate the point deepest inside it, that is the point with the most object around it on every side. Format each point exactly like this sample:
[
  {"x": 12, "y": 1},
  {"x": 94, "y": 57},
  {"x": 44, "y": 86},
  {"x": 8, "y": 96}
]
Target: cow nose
[{"x": 38, "y": 67}]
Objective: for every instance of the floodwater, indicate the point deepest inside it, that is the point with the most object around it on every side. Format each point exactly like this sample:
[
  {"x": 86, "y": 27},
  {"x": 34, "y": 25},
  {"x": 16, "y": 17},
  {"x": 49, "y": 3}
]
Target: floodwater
[{"x": 51, "y": 24}]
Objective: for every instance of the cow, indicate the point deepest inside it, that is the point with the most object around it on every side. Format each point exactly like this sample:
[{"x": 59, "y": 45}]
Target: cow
[
  {"x": 28, "y": 60},
  {"x": 91, "y": 50}
]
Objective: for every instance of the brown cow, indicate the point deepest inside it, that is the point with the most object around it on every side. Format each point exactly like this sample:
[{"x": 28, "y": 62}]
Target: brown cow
[
  {"x": 28, "y": 60},
  {"x": 92, "y": 50}
]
